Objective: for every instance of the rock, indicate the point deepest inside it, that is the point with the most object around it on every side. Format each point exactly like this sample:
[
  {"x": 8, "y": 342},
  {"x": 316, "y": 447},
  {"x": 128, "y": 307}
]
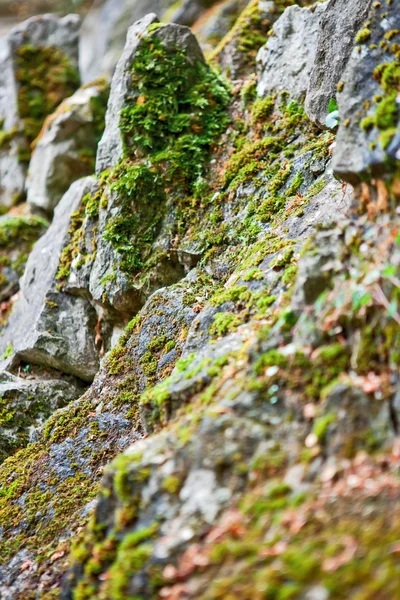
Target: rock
[
  {"x": 26, "y": 403},
  {"x": 17, "y": 237},
  {"x": 285, "y": 62},
  {"x": 317, "y": 269},
  {"x": 106, "y": 26},
  {"x": 172, "y": 36},
  {"x": 79, "y": 440},
  {"x": 32, "y": 58},
  {"x": 48, "y": 327},
  {"x": 339, "y": 25},
  {"x": 66, "y": 148},
  {"x": 367, "y": 141}
]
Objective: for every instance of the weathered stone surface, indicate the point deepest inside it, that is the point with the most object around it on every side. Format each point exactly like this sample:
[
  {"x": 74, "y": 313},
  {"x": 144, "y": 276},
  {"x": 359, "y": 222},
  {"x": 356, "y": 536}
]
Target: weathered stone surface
[
  {"x": 26, "y": 403},
  {"x": 32, "y": 57},
  {"x": 368, "y": 139},
  {"x": 48, "y": 327},
  {"x": 66, "y": 148},
  {"x": 286, "y": 61},
  {"x": 240, "y": 377},
  {"x": 339, "y": 25},
  {"x": 256, "y": 427}
]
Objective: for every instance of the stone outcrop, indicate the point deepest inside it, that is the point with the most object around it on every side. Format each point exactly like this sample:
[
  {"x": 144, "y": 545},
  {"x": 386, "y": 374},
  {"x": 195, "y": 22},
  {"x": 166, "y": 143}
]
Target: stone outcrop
[
  {"x": 39, "y": 68},
  {"x": 111, "y": 146},
  {"x": 66, "y": 148},
  {"x": 125, "y": 227},
  {"x": 245, "y": 416},
  {"x": 286, "y": 61},
  {"x": 368, "y": 136},
  {"x": 106, "y": 26},
  {"x": 339, "y": 26}
]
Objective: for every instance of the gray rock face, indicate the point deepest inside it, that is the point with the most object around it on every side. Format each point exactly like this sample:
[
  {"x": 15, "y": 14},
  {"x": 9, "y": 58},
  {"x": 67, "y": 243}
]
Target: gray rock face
[
  {"x": 26, "y": 403},
  {"x": 43, "y": 32},
  {"x": 67, "y": 146},
  {"x": 286, "y": 61},
  {"x": 111, "y": 148},
  {"x": 48, "y": 327},
  {"x": 338, "y": 27},
  {"x": 368, "y": 139}
]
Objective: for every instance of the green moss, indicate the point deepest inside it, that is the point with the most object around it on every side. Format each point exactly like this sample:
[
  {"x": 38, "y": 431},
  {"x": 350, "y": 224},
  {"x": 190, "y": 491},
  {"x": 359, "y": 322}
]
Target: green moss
[
  {"x": 363, "y": 35},
  {"x": 386, "y": 114},
  {"x": 45, "y": 76},
  {"x": 321, "y": 425},
  {"x": 252, "y": 153},
  {"x": 7, "y": 353},
  {"x": 172, "y": 484},
  {"x": 224, "y": 323},
  {"x": 262, "y": 108},
  {"x": 180, "y": 100},
  {"x": 15, "y": 230},
  {"x": 142, "y": 204}
]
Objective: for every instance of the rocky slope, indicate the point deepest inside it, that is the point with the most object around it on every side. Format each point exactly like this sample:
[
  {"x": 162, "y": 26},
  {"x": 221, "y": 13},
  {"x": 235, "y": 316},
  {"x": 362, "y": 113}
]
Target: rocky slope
[{"x": 200, "y": 384}]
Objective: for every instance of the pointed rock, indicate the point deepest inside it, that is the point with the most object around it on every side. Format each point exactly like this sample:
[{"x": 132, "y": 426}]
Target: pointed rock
[
  {"x": 286, "y": 61},
  {"x": 338, "y": 28}
]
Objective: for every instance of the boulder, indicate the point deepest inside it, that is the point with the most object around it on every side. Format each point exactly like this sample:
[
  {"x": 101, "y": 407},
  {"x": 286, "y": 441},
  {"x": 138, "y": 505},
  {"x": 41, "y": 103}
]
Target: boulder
[
  {"x": 368, "y": 140},
  {"x": 39, "y": 68},
  {"x": 285, "y": 62},
  {"x": 48, "y": 327},
  {"x": 126, "y": 221},
  {"x": 26, "y": 402},
  {"x": 66, "y": 148},
  {"x": 339, "y": 25},
  {"x": 111, "y": 147}
]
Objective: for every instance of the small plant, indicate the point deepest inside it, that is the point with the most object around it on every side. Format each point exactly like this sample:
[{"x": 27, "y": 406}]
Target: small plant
[{"x": 333, "y": 119}]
